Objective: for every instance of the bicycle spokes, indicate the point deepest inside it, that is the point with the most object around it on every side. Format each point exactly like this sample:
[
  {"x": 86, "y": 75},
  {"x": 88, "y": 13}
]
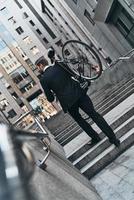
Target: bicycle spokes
[{"x": 82, "y": 59}]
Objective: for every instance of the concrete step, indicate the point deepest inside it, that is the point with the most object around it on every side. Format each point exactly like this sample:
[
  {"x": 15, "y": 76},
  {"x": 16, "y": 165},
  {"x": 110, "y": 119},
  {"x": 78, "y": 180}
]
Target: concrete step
[
  {"x": 123, "y": 111},
  {"x": 108, "y": 155},
  {"x": 65, "y": 136},
  {"x": 85, "y": 147},
  {"x": 91, "y": 154},
  {"x": 93, "y": 159},
  {"x": 101, "y": 95},
  {"x": 112, "y": 94}
]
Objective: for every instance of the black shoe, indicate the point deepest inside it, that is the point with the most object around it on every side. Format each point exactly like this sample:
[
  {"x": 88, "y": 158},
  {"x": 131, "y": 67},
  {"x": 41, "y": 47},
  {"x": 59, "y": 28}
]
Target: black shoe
[
  {"x": 94, "y": 141},
  {"x": 116, "y": 143}
]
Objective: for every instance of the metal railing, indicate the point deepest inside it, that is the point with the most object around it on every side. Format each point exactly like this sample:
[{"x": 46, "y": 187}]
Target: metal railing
[
  {"x": 40, "y": 136},
  {"x": 17, "y": 162},
  {"x": 127, "y": 56}
]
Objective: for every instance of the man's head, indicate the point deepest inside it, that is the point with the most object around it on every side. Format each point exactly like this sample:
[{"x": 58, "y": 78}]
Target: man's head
[
  {"x": 41, "y": 63},
  {"x": 51, "y": 54}
]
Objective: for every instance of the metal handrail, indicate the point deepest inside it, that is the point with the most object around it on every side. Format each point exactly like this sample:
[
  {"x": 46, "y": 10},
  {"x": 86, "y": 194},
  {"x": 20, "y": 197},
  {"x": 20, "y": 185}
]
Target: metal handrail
[
  {"x": 39, "y": 136},
  {"x": 125, "y": 57},
  {"x": 11, "y": 177},
  {"x": 21, "y": 117},
  {"x": 24, "y": 136}
]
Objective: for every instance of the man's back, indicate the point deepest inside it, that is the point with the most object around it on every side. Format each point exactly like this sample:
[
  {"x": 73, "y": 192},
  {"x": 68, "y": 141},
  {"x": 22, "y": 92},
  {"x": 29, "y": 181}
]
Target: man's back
[{"x": 58, "y": 80}]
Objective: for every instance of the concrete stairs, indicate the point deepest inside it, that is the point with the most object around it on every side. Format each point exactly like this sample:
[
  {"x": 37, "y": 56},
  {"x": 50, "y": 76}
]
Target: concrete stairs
[
  {"x": 116, "y": 104},
  {"x": 104, "y": 101}
]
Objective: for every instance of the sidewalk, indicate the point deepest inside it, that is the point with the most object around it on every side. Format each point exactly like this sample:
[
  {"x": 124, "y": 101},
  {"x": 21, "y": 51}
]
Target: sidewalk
[{"x": 116, "y": 181}]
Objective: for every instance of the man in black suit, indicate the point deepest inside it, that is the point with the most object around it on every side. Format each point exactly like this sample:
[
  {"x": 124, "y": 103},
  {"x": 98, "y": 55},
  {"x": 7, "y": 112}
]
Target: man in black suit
[{"x": 55, "y": 79}]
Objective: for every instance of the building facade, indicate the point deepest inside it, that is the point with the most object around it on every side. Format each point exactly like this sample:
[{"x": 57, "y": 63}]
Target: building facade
[
  {"x": 19, "y": 83},
  {"x": 37, "y": 25},
  {"x": 110, "y": 23}
]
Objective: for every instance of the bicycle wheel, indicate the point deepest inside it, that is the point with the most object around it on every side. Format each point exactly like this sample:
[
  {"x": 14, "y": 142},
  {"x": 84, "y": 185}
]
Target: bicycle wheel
[{"x": 82, "y": 59}]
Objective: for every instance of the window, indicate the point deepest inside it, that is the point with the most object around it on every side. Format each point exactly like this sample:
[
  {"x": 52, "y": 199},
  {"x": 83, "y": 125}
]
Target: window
[
  {"x": 14, "y": 95},
  {"x": 50, "y": 3},
  {"x": 18, "y": 4},
  {"x": 75, "y": 1},
  {"x": 25, "y": 15},
  {"x": 28, "y": 61},
  {"x": 32, "y": 23},
  {"x": 38, "y": 31},
  {"x": 34, "y": 50},
  {"x": 27, "y": 87},
  {"x": 51, "y": 33},
  {"x": 2, "y": 44},
  {"x": 12, "y": 20},
  {"x": 12, "y": 113},
  {"x": 19, "y": 30},
  {"x": 45, "y": 40},
  {"x": 9, "y": 55},
  {"x": 4, "y": 103},
  {"x": 4, "y": 11},
  {"x": 59, "y": 43},
  {"x": 18, "y": 78},
  {"x": 2, "y": 60},
  {"x": 6, "y": 84},
  {"x": 88, "y": 16},
  {"x": 122, "y": 21},
  {"x": 19, "y": 75},
  {"x": 27, "y": 40}
]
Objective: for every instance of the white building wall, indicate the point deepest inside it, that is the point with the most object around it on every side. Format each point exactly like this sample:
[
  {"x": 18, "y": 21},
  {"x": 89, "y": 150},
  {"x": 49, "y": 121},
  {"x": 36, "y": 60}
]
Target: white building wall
[
  {"x": 16, "y": 13},
  {"x": 12, "y": 104}
]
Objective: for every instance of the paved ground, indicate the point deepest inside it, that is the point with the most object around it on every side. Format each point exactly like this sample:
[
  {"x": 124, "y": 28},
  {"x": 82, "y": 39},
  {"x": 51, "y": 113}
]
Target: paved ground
[{"x": 116, "y": 182}]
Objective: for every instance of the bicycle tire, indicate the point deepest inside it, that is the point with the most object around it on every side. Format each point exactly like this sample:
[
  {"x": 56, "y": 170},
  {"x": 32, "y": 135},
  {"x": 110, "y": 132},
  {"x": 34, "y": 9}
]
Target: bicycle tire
[{"x": 80, "y": 50}]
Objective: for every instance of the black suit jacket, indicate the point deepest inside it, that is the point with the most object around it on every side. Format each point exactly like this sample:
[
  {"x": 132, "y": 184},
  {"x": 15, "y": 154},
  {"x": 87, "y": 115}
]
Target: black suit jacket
[{"x": 56, "y": 79}]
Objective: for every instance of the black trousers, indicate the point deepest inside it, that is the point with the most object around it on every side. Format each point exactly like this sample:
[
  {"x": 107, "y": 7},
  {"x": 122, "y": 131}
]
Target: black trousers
[{"x": 85, "y": 103}]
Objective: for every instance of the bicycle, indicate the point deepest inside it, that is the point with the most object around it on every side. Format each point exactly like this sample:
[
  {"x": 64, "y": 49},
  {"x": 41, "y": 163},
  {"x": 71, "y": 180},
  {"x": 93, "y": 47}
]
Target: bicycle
[{"x": 83, "y": 60}]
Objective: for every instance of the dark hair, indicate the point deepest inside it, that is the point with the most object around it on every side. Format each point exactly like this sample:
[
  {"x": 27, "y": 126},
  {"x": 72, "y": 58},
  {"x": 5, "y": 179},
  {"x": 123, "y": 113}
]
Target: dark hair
[
  {"x": 51, "y": 53},
  {"x": 42, "y": 61}
]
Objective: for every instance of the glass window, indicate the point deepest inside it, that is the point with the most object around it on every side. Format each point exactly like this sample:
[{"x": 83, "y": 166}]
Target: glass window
[
  {"x": 123, "y": 22},
  {"x": 12, "y": 113},
  {"x": 2, "y": 44},
  {"x": 59, "y": 43},
  {"x": 34, "y": 50},
  {"x": 12, "y": 20},
  {"x": 25, "y": 15},
  {"x": 45, "y": 40},
  {"x": 50, "y": 3},
  {"x": 19, "y": 30},
  {"x": 9, "y": 55},
  {"x": 4, "y": 11},
  {"x": 4, "y": 103},
  {"x": 38, "y": 31},
  {"x": 31, "y": 65},
  {"x": 88, "y": 16},
  {"x": 18, "y": 78},
  {"x": 27, "y": 40},
  {"x": 27, "y": 87},
  {"x": 6, "y": 84},
  {"x": 19, "y": 75},
  {"x": 75, "y": 1},
  {"x": 2, "y": 60},
  {"x": 32, "y": 23},
  {"x": 18, "y": 4}
]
